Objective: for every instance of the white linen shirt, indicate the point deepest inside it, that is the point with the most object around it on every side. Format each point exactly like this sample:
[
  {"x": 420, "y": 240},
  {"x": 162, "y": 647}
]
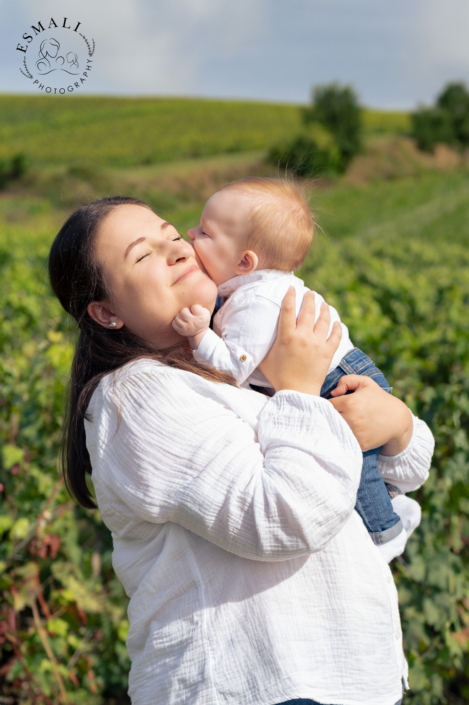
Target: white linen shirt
[
  {"x": 251, "y": 578},
  {"x": 245, "y": 327}
]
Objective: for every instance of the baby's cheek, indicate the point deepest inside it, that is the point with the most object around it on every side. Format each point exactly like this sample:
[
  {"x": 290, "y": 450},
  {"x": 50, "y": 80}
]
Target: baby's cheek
[{"x": 199, "y": 256}]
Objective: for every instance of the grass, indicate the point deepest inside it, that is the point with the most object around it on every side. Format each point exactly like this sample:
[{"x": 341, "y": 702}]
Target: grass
[
  {"x": 126, "y": 132},
  {"x": 123, "y": 132},
  {"x": 436, "y": 204},
  {"x": 385, "y": 122}
]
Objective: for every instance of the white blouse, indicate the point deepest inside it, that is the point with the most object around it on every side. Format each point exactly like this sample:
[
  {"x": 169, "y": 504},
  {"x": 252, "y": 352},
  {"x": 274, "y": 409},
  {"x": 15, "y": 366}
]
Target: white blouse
[{"x": 251, "y": 578}]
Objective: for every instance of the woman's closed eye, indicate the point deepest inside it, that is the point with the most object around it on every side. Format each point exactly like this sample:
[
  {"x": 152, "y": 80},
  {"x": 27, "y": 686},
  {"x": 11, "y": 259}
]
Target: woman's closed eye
[
  {"x": 139, "y": 259},
  {"x": 146, "y": 254}
]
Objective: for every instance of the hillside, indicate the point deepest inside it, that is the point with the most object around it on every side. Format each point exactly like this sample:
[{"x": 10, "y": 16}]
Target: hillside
[{"x": 117, "y": 132}]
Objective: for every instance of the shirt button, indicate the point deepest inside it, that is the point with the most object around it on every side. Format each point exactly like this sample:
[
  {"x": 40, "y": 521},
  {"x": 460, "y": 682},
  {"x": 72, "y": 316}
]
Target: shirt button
[{"x": 243, "y": 358}]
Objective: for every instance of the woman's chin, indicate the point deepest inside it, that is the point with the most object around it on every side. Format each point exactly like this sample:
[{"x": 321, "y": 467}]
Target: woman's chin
[{"x": 204, "y": 293}]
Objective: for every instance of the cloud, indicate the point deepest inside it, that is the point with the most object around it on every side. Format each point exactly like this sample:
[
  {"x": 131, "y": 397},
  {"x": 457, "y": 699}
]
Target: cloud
[
  {"x": 395, "y": 52},
  {"x": 441, "y": 52}
]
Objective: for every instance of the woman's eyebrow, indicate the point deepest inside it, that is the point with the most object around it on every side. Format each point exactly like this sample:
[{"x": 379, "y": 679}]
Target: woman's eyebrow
[
  {"x": 132, "y": 244},
  {"x": 141, "y": 239}
]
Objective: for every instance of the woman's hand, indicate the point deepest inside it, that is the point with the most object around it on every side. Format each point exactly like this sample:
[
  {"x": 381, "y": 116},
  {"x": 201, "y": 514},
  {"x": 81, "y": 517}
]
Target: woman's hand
[
  {"x": 301, "y": 354},
  {"x": 375, "y": 417}
]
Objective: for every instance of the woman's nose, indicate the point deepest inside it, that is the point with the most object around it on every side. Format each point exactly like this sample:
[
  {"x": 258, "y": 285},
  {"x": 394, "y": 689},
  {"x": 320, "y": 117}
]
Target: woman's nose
[{"x": 181, "y": 251}]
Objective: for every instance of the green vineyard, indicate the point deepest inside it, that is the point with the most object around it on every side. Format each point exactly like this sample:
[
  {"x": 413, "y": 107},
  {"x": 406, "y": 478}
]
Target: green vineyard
[{"x": 392, "y": 257}]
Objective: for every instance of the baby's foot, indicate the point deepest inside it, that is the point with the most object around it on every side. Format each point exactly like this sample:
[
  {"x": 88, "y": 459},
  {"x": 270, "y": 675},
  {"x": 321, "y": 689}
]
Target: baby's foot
[
  {"x": 410, "y": 513},
  {"x": 394, "y": 547}
]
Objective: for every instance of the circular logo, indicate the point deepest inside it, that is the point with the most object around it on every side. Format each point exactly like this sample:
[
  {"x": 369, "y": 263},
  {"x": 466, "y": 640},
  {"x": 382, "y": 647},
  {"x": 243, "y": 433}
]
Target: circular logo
[{"x": 56, "y": 55}]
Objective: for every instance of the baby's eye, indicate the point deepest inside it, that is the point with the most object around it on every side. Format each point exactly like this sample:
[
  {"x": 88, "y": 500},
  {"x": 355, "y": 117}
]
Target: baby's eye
[{"x": 177, "y": 238}]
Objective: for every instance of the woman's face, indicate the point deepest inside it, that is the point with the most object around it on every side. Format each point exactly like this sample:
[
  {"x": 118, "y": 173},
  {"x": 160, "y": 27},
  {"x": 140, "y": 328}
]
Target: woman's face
[{"x": 151, "y": 274}]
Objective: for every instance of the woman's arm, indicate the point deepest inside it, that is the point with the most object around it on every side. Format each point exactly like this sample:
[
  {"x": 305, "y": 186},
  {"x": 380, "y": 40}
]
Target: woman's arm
[
  {"x": 379, "y": 419},
  {"x": 179, "y": 452}
]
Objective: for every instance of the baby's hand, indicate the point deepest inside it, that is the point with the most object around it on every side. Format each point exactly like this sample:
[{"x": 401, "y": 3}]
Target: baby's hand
[{"x": 192, "y": 322}]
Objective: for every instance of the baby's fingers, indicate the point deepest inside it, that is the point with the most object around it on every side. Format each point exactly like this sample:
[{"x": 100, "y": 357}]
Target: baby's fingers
[
  {"x": 201, "y": 312},
  {"x": 184, "y": 315},
  {"x": 178, "y": 325},
  {"x": 197, "y": 310}
]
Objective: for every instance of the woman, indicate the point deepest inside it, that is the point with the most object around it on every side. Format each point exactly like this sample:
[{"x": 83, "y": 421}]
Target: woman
[{"x": 251, "y": 578}]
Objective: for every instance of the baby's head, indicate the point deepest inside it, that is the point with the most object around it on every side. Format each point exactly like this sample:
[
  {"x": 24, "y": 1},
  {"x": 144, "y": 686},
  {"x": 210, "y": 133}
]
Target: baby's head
[{"x": 253, "y": 223}]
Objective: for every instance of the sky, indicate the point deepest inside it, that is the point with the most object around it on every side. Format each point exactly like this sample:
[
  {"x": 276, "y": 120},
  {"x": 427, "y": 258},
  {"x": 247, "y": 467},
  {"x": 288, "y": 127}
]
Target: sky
[{"x": 396, "y": 53}]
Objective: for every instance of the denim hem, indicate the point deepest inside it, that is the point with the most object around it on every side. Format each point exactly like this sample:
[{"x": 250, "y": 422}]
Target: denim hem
[{"x": 380, "y": 537}]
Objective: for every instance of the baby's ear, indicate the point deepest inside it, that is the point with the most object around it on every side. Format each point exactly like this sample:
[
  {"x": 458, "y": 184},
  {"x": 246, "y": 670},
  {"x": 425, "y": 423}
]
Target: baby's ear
[{"x": 248, "y": 262}]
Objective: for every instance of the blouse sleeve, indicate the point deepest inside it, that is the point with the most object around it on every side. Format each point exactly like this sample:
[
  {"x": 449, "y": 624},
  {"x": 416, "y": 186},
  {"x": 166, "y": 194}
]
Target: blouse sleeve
[
  {"x": 410, "y": 469},
  {"x": 247, "y": 334},
  {"x": 173, "y": 453}
]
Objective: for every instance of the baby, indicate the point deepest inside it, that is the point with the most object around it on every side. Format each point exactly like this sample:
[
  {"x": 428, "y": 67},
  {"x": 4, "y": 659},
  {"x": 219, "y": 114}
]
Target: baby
[{"x": 253, "y": 234}]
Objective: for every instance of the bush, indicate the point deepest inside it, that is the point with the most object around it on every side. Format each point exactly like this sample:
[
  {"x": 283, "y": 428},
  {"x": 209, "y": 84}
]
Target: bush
[
  {"x": 431, "y": 126},
  {"x": 455, "y": 101},
  {"x": 313, "y": 153},
  {"x": 13, "y": 169},
  {"x": 62, "y": 611},
  {"x": 405, "y": 302},
  {"x": 447, "y": 122},
  {"x": 337, "y": 108}
]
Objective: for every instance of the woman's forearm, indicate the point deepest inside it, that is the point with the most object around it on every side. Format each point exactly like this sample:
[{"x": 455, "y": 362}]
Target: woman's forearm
[{"x": 403, "y": 431}]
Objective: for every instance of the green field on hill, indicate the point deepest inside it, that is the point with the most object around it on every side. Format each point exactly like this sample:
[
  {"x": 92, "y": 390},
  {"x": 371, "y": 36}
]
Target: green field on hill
[{"x": 117, "y": 132}]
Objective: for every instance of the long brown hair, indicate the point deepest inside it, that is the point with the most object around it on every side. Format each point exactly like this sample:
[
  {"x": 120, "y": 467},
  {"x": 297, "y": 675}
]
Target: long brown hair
[{"x": 76, "y": 279}]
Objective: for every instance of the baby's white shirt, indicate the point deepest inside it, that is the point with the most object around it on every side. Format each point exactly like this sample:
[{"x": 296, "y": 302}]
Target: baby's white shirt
[{"x": 246, "y": 325}]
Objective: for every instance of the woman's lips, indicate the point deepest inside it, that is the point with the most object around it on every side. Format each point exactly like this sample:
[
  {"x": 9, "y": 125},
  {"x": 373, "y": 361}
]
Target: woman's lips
[{"x": 187, "y": 272}]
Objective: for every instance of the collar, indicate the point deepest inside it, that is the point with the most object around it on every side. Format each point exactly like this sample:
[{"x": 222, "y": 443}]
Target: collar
[{"x": 228, "y": 287}]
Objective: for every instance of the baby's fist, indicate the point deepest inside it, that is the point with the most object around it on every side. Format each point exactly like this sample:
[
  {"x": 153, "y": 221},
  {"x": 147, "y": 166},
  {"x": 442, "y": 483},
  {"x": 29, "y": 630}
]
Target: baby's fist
[{"x": 193, "y": 323}]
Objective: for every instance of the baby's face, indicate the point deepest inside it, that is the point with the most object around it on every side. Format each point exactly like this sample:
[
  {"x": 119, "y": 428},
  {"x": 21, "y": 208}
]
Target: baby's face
[{"x": 220, "y": 239}]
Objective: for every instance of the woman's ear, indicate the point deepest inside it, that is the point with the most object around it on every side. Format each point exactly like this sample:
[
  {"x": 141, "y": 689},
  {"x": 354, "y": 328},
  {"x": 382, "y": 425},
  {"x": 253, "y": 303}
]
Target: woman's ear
[
  {"x": 103, "y": 315},
  {"x": 248, "y": 262}
]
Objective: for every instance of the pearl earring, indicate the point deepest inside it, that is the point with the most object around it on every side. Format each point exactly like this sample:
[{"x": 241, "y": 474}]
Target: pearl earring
[{"x": 112, "y": 324}]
